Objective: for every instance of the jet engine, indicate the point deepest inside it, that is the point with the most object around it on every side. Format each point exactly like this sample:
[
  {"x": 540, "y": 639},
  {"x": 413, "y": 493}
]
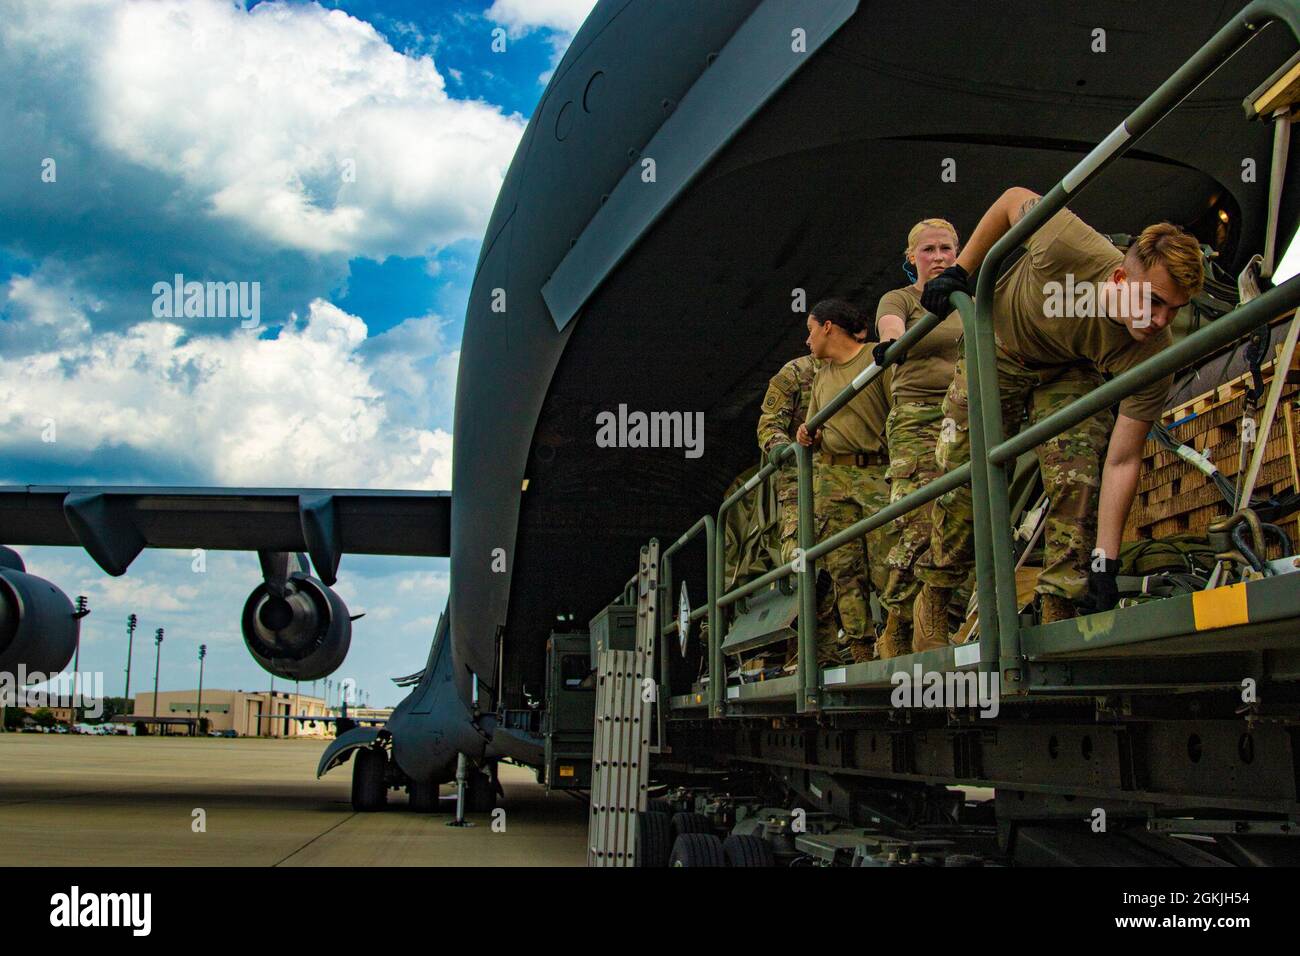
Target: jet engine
[
  {"x": 298, "y": 629},
  {"x": 38, "y": 627}
]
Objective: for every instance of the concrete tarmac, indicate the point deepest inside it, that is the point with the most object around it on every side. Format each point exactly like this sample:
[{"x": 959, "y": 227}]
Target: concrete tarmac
[{"x": 131, "y": 801}]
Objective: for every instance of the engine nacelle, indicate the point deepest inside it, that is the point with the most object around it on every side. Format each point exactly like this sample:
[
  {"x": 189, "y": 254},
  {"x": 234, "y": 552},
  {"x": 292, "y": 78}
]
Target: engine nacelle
[
  {"x": 38, "y": 627},
  {"x": 302, "y": 634}
]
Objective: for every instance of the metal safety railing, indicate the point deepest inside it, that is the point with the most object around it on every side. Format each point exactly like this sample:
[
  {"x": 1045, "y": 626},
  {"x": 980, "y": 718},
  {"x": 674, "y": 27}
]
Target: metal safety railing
[{"x": 999, "y": 632}]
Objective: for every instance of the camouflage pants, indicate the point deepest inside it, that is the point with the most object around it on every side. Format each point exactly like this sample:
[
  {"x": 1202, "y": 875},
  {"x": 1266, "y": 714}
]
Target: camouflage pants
[
  {"x": 1070, "y": 463},
  {"x": 913, "y": 433},
  {"x": 787, "y": 497},
  {"x": 843, "y": 495}
]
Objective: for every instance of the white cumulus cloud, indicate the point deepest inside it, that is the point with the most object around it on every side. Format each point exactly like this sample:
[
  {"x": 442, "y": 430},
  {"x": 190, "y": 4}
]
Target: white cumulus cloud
[
  {"x": 302, "y": 409},
  {"x": 46, "y": 312},
  {"x": 523, "y": 16},
  {"x": 302, "y": 124}
]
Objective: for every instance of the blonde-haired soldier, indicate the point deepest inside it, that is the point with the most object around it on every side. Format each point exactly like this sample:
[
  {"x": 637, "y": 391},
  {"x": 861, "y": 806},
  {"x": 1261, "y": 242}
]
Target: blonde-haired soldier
[
  {"x": 1072, "y": 309},
  {"x": 912, "y": 429}
]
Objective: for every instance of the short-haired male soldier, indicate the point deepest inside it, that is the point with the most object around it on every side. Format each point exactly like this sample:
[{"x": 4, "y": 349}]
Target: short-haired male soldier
[
  {"x": 785, "y": 408},
  {"x": 1070, "y": 310}
]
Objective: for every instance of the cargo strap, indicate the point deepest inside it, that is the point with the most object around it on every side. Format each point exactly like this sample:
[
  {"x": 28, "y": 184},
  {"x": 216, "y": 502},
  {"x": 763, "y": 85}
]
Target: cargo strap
[{"x": 1256, "y": 350}]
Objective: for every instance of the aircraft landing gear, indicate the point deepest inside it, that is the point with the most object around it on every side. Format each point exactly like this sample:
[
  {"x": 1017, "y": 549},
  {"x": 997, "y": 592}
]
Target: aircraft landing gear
[
  {"x": 369, "y": 786},
  {"x": 425, "y": 797},
  {"x": 476, "y": 791},
  {"x": 462, "y": 781},
  {"x": 481, "y": 791}
]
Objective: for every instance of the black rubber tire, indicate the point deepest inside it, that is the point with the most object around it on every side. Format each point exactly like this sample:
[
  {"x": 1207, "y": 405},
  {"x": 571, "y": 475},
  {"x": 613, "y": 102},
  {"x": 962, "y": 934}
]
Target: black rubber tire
[
  {"x": 654, "y": 839},
  {"x": 748, "y": 850},
  {"x": 659, "y": 805},
  {"x": 697, "y": 849},
  {"x": 426, "y": 797},
  {"x": 480, "y": 793},
  {"x": 690, "y": 823},
  {"x": 369, "y": 788}
]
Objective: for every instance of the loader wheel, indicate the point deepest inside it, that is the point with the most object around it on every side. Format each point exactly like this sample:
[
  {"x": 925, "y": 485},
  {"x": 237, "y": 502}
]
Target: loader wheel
[
  {"x": 748, "y": 850},
  {"x": 690, "y": 823},
  {"x": 654, "y": 839},
  {"x": 697, "y": 849},
  {"x": 369, "y": 789}
]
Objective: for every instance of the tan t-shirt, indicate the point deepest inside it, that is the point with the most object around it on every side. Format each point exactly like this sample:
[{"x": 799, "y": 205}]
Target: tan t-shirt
[
  {"x": 927, "y": 371},
  {"x": 1041, "y": 324},
  {"x": 860, "y": 425}
]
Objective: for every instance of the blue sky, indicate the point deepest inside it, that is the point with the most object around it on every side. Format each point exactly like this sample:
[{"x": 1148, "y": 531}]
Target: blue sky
[{"x": 343, "y": 158}]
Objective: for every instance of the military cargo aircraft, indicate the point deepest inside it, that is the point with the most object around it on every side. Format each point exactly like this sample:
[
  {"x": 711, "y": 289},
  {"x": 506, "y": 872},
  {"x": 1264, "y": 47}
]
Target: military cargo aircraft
[{"x": 692, "y": 176}]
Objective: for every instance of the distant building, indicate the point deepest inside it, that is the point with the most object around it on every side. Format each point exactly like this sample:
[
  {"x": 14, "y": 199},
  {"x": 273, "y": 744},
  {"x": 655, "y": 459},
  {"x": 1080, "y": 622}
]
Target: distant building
[
  {"x": 62, "y": 715},
  {"x": 247, "y": 713}
]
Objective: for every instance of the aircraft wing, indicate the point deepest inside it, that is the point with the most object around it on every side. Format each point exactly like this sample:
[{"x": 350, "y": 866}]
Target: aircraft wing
[{"x": 114, "y": 524}]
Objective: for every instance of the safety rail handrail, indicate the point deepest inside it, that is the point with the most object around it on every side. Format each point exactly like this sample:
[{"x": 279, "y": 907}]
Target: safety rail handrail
[
  {"x": 710, "y": 607},
  {"x": 1000, "y": 632},
  {"x": 999, "y": 638}
]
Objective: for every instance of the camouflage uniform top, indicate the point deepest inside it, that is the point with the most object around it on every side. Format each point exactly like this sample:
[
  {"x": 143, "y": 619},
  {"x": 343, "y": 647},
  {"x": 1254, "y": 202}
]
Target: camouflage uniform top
[
  {"x": 860, "y": 425},
  {"x": 1039, "y": 330},
  {"x": 785, "y": 406},
  {"x": 927, "y": 373}
]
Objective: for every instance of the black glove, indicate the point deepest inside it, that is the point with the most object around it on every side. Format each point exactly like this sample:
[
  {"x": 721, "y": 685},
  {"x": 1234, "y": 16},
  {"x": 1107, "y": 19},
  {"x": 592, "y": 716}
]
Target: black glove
[
  {"x": 934, "y": 297},
  {"x": 878, "y": 353},
  {"x": 1103, "y": 592}
]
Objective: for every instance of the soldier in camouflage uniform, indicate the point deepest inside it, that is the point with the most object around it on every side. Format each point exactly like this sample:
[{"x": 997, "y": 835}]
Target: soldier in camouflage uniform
[
  {"x": 845, "y": 493},
  {"x": 849, "y": 480},
  {"x": 1070, "y": 468},
  {"x": 912, "y": 429},
  {"x": 1049, "y": 352},
  {"x": 785, "y": 408}
]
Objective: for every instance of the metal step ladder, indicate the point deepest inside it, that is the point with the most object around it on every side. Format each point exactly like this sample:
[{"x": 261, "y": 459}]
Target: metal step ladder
[{"x": 625, "y": 690}]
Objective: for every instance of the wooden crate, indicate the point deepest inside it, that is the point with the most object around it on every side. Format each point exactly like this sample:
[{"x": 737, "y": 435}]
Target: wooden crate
[{"x": 1174, "y": 498}]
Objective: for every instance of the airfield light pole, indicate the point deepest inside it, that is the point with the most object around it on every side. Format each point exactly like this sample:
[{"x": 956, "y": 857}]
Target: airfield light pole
[
  {"x": 157, "y": 662},
  {"x": 198, "y": 708},
  {"x": 131, "y": 622},
  {"x": 76, "y": 657}
]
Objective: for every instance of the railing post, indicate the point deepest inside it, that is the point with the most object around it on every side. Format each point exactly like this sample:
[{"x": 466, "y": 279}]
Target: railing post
[
  {"x": 809, "y": 672},
  {"x": 996, "y": 578},
  {"x": 715, "y": 558},
  {"x": 664, "y": 691},
  {"x": 982, "y": 487},
  {"x": 706, "y": 525}
]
